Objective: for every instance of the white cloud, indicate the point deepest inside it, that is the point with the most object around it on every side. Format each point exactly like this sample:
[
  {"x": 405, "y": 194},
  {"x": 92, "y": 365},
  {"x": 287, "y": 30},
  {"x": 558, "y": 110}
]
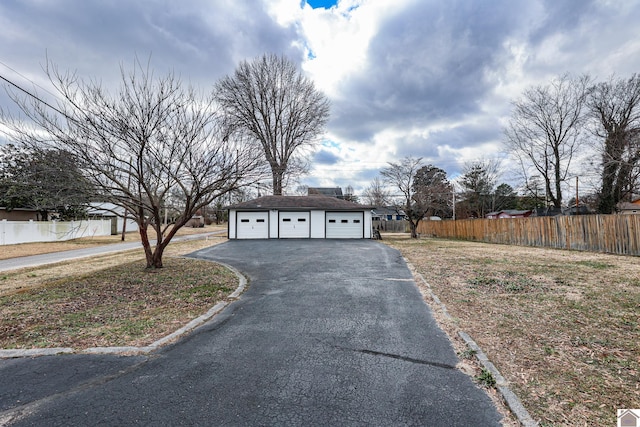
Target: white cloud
[
  {"x": 336, "y": 39},
  {"x": 428, "y": 78}
]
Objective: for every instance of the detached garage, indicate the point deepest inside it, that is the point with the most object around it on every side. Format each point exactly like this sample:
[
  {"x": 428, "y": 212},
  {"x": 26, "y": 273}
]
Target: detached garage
[{"x": 299, "y": 217}]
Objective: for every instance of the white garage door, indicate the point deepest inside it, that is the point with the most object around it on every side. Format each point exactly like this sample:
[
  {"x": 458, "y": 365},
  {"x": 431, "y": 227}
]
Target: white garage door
[
  {"x": 294, "y": 225},
  {"x": 252, "y": 225},
  {"x": 345, "y": 225}
]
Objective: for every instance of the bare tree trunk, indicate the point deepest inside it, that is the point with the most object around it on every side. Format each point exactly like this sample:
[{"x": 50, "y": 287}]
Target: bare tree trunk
[
  {"x": 277, "y": 182},
  {"x": 146, "y": 245},
  {"x": 413, "y": 227},
  {"x": 156, "y": 259}
]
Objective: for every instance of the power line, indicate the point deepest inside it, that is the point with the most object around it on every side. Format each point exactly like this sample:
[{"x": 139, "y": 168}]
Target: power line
[
  {"x": 37, "y": 98},
  {"x": 28, "y": 79}
]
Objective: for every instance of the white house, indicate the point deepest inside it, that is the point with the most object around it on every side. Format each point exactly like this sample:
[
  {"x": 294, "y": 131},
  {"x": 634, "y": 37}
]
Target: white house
[
  {"x": 303, "y": 217},
  {"x": 114, "y": 213}
]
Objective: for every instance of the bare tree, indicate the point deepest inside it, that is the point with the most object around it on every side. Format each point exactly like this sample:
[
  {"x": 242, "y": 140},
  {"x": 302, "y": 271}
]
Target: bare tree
[
  {"x": 376, "y": 194},
  {"x": 615, "y": 106},
  {"x": 151, "y": 146},
  {"x": 271, "y": 101},
  {"x": 544, "y": 131},
  {"x": 301, "y": 190},
  {"x": 349, "y": 195},
  {"x": 424, "y": 189}
]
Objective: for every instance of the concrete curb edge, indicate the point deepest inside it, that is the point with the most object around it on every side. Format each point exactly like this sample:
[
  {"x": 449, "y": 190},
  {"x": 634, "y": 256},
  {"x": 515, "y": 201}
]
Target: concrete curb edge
[
  {"x": 35, "y": 352},
  {"x": 501, "y": 384},
  {"x": 511, "y": 399}
]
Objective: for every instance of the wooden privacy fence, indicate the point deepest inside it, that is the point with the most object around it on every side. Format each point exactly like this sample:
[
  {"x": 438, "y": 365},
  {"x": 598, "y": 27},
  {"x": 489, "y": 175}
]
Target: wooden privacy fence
[
  {"x": 616, "y": 234},
  {"x": 391, "y": 226}
]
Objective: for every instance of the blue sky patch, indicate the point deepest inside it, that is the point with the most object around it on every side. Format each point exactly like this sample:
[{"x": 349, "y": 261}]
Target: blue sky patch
[
  {"x": 327, "y": 4},
  {"x": 325, "y": 158},
  {"x": 329, "y": 143}
]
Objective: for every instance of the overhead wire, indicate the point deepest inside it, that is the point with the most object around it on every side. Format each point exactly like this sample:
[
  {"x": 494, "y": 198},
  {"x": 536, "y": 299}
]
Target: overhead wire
[
  {"x": 28, "y": 79},
  {"x": 37, "y": 98}
]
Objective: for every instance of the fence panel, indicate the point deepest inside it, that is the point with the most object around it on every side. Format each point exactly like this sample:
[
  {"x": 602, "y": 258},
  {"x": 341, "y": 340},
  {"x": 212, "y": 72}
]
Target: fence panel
[
  {"x": 391, "y": 226},
  {"x": 616, "y": 234},
  {"x": 13, "y": 232}
]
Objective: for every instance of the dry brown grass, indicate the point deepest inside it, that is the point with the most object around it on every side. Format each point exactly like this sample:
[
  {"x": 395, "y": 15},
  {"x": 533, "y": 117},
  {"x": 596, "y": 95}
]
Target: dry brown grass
[
  {"x": 109, "y": 300},
  {"x": 561, "y": 326}
]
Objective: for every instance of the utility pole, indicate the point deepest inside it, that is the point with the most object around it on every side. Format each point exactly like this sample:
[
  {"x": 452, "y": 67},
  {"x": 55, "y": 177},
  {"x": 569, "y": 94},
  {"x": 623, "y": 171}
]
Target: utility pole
[
  {"x": 577, "y": 200},
  {"x": 124, "y": 219},
  {"x": 454, "y": 204}
]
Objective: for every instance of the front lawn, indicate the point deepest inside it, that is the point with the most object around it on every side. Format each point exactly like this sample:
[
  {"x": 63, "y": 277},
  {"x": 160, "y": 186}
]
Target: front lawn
[{"x": 563, "y": 327}]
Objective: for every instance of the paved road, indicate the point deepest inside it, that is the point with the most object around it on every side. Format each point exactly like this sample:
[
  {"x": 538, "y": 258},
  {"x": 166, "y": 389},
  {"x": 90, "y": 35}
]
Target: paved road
[
  {"x": 328, "y": 333},
  {"x": 50, "y": 258}
]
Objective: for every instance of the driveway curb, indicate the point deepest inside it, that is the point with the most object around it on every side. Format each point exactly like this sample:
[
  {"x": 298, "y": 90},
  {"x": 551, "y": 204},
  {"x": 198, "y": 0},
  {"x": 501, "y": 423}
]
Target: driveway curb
[
  {"x": 131, "y": 350},
  {"x": 512, "y": 400}
]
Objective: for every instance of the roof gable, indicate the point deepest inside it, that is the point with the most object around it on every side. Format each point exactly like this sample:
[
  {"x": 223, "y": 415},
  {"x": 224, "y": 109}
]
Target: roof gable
[
  {"x": 325, "y": 191},
  {"x": 299, "y": 202}
]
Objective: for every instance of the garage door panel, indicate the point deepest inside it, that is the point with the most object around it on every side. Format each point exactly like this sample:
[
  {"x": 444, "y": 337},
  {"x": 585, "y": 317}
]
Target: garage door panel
[
  {"x": 344, "y": 225},
  {"x": 294, "y": 225},
  {"x": 252, "y": 225}
]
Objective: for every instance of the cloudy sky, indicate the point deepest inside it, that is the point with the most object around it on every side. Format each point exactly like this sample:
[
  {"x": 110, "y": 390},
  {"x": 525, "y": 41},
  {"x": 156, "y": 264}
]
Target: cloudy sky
[{"x": 427, "y": 78}]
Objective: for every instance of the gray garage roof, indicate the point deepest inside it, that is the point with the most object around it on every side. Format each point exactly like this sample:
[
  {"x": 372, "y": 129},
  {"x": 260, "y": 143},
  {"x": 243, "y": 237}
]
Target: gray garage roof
[{"x": 299, "y": 203}]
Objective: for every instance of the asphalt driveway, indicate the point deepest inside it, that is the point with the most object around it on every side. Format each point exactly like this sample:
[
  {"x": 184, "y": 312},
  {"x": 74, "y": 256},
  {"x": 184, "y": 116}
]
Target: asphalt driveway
[{"x": 328, "y": 333}]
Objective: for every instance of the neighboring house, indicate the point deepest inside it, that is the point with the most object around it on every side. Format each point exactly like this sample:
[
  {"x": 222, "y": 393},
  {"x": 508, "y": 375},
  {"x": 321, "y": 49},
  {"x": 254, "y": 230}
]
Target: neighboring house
[
  {"x": 579, "y": 210},
  {"x": 387, "y": 213},
  {"x": 389, "y": 219},
  {"x": 314, "y": 217},
  {"x": 325, "y": 191},
  {"x": 97, "y": 210},
  {"x": 393, "y": 219},
  {"x": 509, "y": 213},
  {"x": 548, "y": 211},
  {"x": 18, "y": 214},
  {"x": 629, "y": 208}
]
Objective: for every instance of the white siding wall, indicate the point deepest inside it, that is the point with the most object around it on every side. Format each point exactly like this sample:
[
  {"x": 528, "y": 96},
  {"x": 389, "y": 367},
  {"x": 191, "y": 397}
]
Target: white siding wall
[
  {"x": 317, "y": 224},
  {"x": 232, "y": 224},
  {"x": 367, "y": 224},
  {"x": 273, "y": 224},
  {"x": 131, "y": 225},
  {"x": 109, "y": 210}
]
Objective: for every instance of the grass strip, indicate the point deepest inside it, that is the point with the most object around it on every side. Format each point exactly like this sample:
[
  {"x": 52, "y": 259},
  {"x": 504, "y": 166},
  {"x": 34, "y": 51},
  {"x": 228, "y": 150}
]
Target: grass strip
[
  {"x": 122, "y": 305},
  {"x": 561, "y": 326}
]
